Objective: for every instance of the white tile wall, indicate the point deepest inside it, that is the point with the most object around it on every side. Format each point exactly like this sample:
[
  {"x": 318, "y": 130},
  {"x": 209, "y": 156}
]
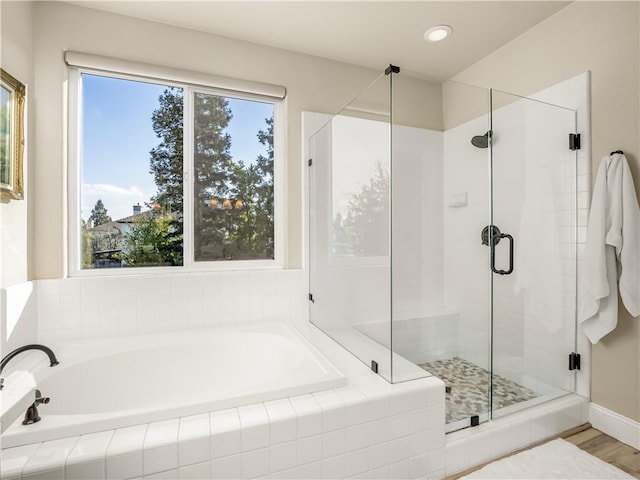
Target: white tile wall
[{"x": 90, "y": 307}]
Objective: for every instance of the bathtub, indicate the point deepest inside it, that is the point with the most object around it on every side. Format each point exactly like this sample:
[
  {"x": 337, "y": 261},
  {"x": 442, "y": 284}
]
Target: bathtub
[{"x": 107, "y": 384}]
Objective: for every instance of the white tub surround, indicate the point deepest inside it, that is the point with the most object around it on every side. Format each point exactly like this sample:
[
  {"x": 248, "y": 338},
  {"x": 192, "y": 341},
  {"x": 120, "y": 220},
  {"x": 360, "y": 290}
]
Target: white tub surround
[
  {"x": 124, "y": 305},
  {"x": 367, "y": 428},
  {"x": 113, "y": 383}
]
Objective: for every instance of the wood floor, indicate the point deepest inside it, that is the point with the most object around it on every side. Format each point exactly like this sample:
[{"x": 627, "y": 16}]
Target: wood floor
[
  {"x": 598, "y": 444},
  {"x": 608, "y": 449}
]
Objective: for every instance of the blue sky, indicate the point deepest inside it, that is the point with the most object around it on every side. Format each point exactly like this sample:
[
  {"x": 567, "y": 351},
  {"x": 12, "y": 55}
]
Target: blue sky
[{"x": 118, "y": 136}]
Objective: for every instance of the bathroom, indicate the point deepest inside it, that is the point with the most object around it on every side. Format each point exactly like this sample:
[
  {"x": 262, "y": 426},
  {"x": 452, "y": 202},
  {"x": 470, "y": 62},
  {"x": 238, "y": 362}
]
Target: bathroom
[{"x": 321, "y": 432}]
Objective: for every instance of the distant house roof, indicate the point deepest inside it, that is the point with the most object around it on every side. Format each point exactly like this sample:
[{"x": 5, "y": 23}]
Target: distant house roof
[{"x": 122, "y": 222}]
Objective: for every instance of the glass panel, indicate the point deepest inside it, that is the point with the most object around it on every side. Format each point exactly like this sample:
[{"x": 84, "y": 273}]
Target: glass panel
[
  {"x": 534, "y": 201},
  {"x": 417, "y": 238},
  {"x": 456, "y": 338},
  {"x": 131, "y": 192},
  {"x": 349, "y": 227},
  {"x": 233, "y": 182}
]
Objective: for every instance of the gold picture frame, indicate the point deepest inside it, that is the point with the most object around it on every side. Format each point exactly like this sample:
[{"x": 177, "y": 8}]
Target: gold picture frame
[{"x": 12, "y": 99}]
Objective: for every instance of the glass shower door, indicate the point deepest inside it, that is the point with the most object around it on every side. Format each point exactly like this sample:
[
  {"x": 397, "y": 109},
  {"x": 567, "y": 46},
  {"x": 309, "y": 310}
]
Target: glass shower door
[{"x": 532, "y": 251}]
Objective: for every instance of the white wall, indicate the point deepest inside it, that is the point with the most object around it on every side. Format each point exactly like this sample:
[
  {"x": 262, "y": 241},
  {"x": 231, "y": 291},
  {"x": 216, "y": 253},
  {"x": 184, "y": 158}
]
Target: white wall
[
  {"x": 312, "y": 84},
  {"x": 16, "y": 57},
  {"x": 603, "y": 38},
  {"x": 17, "y": 297}
]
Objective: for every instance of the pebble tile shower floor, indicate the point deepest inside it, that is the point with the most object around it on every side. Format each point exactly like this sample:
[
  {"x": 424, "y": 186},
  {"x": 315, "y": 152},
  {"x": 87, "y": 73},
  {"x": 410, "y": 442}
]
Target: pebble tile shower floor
[{"x": 468, "y": 388}]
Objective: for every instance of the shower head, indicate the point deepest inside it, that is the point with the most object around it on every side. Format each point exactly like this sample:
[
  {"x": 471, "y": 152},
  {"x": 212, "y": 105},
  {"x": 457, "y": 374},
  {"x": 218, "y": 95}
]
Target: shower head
[{"x": 481, "y": 141}]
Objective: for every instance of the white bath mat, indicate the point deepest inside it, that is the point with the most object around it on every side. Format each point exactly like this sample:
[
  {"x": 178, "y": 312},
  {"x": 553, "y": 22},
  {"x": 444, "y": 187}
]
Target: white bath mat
[{"x": 553, "y": 460}]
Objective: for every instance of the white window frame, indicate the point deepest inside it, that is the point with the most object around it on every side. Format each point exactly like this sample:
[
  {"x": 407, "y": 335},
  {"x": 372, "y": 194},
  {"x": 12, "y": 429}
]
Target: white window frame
[{"x": 189, "y": 88}]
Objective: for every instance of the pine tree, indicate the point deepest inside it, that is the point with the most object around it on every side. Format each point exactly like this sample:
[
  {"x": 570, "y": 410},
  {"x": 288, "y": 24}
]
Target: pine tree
[
  {"x": 213, "y": 178},
  {"x": 166, "y": 158},
  {"x": 99, "y": 214},
  {"x": 243, "y": 229}
]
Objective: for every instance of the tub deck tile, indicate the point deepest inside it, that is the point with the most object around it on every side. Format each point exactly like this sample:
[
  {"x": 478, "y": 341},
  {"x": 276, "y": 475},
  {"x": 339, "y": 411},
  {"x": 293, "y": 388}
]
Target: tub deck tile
[
  {"x": 128, "y": 439},
  {"x": 162, "y": 433},
  {"x": 194, "y": 426},
  {"x": 333, "y": 410},
  {"x": 308, "y": 415},
  {"x": 120, "y": 467},
  {"x": 254, "y": 421},
  {"x": 14, "y": 459},
  {"x": 224, "y": 421},
  {"x": 159, "y": 459},
  {"x": 282, "y": 418},
  {"x": 91, "y": 470},
  {"x": 49, "y": 456},
  {"x": 194, "y": 439},
  {"x": 90, "y": 447},
  {"x": 198, "y": 471},
  {"x": 355, "y": 403}
]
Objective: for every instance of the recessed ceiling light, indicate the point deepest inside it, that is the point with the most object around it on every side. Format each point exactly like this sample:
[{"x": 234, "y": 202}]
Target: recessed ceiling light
[{"x": 437, "y": 33}]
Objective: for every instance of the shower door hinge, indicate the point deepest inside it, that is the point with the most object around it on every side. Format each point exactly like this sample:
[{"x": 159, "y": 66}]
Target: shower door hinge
[
  {"x": 311, "y": 298},
  {"x": 574, "y": 361},
  {"x": 374, "y": 366},
  {"x": 391, "y": 69},
  {"x": 310, "y": 162},
  {"x": 574, "y": 141}
]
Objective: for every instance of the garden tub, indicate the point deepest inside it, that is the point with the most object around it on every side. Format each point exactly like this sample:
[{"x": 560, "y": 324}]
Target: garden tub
[{"x": 111, "y": 383}]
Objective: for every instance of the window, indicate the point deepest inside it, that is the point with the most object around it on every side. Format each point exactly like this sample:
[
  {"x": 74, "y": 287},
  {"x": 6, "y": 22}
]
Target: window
[{"x": 172, "y": 175}]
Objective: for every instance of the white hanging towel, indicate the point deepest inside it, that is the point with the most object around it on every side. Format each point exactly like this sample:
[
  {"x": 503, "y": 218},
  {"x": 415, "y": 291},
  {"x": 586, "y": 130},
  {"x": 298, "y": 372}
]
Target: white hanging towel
[{"x": 612, "y": 253}]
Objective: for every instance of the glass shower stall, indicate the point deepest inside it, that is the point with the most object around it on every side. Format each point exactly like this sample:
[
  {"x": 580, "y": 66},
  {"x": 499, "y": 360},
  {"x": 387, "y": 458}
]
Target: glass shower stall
[{"x": 449, "y": 252}]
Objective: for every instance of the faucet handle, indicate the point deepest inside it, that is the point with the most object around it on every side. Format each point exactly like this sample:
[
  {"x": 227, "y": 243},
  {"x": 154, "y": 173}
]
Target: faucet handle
[{"x": 40, "y": 399}]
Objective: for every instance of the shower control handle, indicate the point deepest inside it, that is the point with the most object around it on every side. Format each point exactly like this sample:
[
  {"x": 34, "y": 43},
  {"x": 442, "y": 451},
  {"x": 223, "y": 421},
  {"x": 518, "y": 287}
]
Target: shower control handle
[{"x": 494, "y": 240}]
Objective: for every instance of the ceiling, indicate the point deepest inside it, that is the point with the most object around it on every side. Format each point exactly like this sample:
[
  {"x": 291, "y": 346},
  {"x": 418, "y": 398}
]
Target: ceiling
[{"x": 371, "y": 34}]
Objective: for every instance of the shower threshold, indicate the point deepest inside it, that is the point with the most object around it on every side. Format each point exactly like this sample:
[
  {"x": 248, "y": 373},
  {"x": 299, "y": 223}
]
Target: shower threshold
[{"x": 467, "y": 387}]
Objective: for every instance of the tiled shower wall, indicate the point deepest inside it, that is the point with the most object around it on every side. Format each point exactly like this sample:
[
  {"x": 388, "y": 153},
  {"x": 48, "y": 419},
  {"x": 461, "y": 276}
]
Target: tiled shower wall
[{"x": 89, "y": 307}]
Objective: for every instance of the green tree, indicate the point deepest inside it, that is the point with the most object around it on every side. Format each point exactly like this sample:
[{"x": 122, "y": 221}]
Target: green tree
[
  {"x": 233, "y": 201},
  {"x": 254, "y": 236},
  {"x": 213, "y": 178},
  {"x": 99, "y": 214},
  {"x": 166, "y": 159},
  {"x": 151, "y": 241}
]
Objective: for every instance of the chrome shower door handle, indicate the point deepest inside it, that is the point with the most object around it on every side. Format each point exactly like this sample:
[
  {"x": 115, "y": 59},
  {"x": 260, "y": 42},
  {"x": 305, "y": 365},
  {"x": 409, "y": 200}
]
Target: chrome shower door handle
[{"x": 493, "y": 254}]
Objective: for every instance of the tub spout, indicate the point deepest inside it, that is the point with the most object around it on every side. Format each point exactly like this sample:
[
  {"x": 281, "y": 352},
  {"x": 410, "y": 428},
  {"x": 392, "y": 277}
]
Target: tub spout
[{"x": 34, "y": 346}]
